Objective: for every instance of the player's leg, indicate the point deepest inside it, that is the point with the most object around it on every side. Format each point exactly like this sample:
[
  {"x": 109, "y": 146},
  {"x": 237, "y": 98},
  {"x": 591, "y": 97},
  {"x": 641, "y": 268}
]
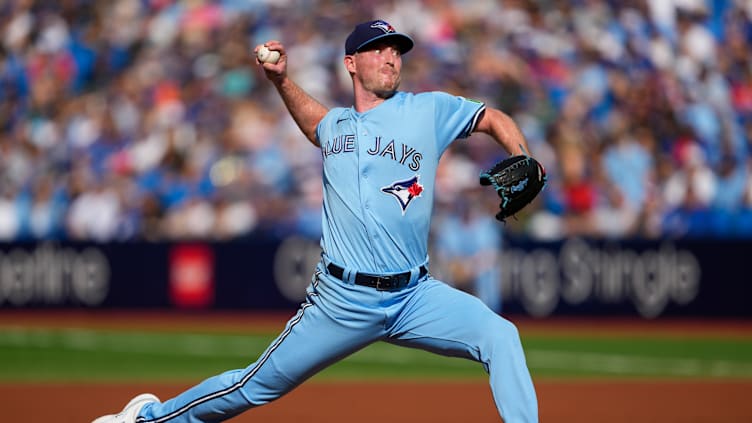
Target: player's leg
[
  {"x": 313, "y": 339},
  {"x": 447, "y": 321}
]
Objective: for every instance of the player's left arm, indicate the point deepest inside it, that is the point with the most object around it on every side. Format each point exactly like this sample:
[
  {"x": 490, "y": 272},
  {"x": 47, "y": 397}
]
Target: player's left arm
[{"x": 502, "y": 128}]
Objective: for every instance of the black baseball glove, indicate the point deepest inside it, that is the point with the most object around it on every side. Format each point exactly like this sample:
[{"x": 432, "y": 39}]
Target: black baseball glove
[{"x": 517, "y": 180}]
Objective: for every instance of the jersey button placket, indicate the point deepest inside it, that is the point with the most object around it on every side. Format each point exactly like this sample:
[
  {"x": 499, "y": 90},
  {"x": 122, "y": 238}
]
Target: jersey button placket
[
  {"x": 364, "y": 167},
  {"x": 361, "y": 163}
]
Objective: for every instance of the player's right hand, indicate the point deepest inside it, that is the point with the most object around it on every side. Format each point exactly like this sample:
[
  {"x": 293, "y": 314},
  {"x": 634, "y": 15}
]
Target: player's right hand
[{"x": 274, "y": 71}]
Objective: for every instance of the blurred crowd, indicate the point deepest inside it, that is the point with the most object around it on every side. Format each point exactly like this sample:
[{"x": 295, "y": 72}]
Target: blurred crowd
[{"x": 149, "y": 119}]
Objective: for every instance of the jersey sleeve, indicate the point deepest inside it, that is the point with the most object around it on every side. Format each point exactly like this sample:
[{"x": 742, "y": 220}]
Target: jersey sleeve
[
  {"x": 325, "y": 126},
  {"x": 456, "y": 116}
]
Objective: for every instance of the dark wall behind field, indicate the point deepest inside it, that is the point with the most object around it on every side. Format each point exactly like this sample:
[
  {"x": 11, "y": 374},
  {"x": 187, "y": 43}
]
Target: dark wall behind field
[{"x": 574, "y": 277}]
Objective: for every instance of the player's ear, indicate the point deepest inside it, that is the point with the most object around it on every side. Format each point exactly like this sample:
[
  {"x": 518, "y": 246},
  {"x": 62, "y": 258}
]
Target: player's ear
[{"x": 349, "y": 63}]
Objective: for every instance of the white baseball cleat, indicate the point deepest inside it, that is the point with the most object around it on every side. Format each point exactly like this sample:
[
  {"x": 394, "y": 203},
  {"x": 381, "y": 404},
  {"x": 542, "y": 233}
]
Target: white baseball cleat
[{"x": 130, "y": 412}]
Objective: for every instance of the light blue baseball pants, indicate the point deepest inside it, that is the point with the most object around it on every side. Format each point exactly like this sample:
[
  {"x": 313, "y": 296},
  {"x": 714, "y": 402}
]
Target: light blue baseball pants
[{"x": 339, "y": 318}]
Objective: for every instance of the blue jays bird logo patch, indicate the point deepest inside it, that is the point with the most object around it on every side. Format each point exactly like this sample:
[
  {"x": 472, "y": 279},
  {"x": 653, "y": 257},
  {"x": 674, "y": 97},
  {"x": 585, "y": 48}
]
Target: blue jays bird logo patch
[
  {"x": 387, "y": 28},
  {"x": 404, "y": 191}
]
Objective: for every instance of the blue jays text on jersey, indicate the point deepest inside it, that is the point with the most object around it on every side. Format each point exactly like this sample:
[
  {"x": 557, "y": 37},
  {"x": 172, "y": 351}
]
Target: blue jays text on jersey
[
  {"x": 340, "y": 144},
  {"x": 402, "y": 153}
]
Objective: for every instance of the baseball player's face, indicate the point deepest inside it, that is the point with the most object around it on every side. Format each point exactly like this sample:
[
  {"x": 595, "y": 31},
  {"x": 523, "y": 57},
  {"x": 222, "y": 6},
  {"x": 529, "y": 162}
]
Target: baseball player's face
[{"x": 379, "y": 69}]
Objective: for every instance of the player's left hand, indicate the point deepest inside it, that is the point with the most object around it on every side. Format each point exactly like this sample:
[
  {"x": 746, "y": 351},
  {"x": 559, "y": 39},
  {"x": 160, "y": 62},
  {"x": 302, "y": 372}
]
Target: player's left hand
[{"x": 517, "y": 180}]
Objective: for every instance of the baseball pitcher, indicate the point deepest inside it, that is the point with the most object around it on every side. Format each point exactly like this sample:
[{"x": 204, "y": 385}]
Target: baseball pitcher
[{"x": 373, "y": 281}]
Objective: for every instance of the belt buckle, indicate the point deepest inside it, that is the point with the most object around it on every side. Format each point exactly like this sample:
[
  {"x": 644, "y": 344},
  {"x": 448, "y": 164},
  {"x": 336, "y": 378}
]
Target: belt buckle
[{"x": 386, "y": 279}]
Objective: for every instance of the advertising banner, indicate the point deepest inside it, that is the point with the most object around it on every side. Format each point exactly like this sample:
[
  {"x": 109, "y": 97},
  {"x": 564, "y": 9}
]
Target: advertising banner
[{"x": 573, "y": 277}]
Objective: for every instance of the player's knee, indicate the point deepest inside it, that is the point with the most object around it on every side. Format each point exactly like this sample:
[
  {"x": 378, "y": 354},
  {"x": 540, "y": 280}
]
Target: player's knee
[
  {"x": 510, "y": 329},
  {"x": 504, "y": 332},
  {"x": 500, "y": 340}
]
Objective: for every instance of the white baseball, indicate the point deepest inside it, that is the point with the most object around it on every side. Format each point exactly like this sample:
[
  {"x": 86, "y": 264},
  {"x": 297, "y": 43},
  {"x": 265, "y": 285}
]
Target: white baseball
[{"x": 267, "y": 56}]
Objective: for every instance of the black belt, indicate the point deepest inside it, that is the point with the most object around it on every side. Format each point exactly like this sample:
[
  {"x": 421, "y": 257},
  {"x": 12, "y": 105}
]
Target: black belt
[{"x": 380, "y": 282}]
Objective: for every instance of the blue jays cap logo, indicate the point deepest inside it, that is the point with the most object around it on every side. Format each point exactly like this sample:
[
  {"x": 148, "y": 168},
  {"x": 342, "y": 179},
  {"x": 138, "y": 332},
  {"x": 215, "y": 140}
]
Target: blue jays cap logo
[
  {"x": 387, "y": 28},
  {"x": 404, "y": 191},
  {"x": 370, "y": 31}
]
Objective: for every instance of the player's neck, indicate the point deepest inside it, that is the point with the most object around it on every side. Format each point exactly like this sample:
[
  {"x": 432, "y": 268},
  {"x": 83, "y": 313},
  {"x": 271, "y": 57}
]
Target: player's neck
[{"x": 366, "y": 100}]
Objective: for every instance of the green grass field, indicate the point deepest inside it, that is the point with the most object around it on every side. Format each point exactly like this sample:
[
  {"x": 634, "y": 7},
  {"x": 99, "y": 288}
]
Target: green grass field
[{"x": 76, "y": 354}]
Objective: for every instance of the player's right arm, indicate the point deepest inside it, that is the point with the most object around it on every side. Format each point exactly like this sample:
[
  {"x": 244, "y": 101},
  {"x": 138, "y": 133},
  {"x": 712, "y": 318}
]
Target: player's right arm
[{"x": 305, "y": 110}]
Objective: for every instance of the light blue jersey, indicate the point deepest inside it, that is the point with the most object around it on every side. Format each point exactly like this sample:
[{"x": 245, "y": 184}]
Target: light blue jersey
[{"x": 380, "y": 174}]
